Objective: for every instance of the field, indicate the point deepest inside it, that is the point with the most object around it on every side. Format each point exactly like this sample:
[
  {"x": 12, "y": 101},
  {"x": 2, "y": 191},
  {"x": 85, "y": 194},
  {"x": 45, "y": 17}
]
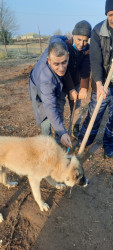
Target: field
[
  {"x": 80, "y": 221},
  {"x": 23, "y": 49}
]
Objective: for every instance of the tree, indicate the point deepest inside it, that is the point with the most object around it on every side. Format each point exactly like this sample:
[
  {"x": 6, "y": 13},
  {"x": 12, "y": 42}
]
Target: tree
[
  {"x": 7, "y": 23},
  {"x": 7, "y": 35}
]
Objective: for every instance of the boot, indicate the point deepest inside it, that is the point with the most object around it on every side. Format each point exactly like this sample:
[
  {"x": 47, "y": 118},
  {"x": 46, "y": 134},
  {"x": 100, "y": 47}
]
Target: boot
[{"x": 75, "y": 131}]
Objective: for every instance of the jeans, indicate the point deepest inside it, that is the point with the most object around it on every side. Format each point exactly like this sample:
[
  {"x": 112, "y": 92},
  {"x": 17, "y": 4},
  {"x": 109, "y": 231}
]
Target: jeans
[
  {"x": 46, "y": 127},
  {"x": 108, "y": 134}
]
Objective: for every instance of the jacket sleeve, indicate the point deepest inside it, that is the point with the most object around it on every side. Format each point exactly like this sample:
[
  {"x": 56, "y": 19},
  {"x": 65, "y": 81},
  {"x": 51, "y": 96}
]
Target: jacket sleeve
[
  {"x": 96, "y": 57},
  {"x": 49, "y": 100},
  {"x": 67, "y": 82},
  {"x": 84, "y": 83},
  {"x": 85, "y": 66}
]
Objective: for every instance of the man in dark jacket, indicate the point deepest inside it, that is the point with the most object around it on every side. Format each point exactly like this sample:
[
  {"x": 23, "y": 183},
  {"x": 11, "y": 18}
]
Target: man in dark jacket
[
  {"x": 79, "y": 68},
  {"x": 101, "y": 55},
  {"x": 47, "y": 79}
]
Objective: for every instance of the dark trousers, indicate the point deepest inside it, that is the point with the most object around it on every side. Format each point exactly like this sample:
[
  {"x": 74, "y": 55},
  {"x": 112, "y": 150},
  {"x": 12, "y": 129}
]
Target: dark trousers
[{"x": 108, "y": 134}]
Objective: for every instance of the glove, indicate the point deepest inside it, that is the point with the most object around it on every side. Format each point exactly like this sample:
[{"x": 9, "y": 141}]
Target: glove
[{"x": 65, "y": 140}]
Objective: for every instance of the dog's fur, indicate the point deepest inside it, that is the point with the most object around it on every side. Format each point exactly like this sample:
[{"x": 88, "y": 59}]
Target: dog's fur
[{"x": 38, "y": 157}]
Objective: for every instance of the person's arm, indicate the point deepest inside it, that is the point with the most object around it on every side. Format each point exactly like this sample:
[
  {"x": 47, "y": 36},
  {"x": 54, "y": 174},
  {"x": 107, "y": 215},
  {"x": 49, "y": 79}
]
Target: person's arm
[
  {"x": 73, "y": 95},
  {"x": 85, "y": 69},
  {"x": 84, "y": 75},
  {"x": 100, "y": 90},
  {"x": 49, "y": 99},
  {"x": 69, "y": 86},
  {"x": 96, "y": 57},
  {"x": 97, "y": 64},
  {"x": 84, "y": 85}
]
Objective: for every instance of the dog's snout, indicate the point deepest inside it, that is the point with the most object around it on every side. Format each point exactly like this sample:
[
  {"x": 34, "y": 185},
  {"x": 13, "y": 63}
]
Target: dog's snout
[{"x": 83, "y": 181}]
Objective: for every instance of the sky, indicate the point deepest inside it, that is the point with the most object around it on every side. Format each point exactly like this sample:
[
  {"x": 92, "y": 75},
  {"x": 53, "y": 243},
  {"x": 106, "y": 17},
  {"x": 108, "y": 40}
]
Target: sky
[{"x": 48, "y": 16}]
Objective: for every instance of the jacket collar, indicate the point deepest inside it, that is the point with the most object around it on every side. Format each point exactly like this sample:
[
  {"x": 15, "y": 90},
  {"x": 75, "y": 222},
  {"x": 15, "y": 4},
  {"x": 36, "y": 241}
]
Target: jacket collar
[{"x": 104, "y": 31}]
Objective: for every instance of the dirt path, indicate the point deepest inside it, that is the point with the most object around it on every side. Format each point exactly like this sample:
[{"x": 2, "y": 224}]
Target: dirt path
[{"x": 83, "y": 221}]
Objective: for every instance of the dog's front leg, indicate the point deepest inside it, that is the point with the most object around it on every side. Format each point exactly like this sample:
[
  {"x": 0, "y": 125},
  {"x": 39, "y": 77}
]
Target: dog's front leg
[
  {"x": 1, "y": 218},
  {"x": 35, "y": 186}
]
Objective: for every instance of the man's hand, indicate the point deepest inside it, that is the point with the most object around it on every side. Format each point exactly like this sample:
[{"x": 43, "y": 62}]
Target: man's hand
[
  {"x": 65, "y": 140},
  {"x": 82, "y": 94},
  {"x": 73, "y": 95},
  {"x": 100, "y": 90}
]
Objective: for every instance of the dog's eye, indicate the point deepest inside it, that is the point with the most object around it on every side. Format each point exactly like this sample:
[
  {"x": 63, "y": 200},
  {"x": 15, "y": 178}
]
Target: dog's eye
[{"x": 77, "y": 176}]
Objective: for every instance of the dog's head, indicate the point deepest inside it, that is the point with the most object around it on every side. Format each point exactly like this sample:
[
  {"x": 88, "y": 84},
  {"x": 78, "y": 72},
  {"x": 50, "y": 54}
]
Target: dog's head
[{"x": 75, "y": 173}]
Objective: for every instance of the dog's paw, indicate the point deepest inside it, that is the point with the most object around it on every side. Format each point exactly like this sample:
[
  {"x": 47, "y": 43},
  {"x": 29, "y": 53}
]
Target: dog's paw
[
  {"x": 1, "y": 218},
  {"x": 60, "y": 185},
  {"x": 11, "y": 184},
  {"x": 44, "y": 207}
]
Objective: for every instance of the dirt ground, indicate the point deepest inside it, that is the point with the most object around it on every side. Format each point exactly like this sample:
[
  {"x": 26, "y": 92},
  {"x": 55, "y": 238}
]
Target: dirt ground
[{"x": 80, "y": 221}]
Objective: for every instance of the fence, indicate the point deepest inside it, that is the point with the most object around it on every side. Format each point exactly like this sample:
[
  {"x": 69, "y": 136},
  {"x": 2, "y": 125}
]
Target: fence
[{"x": 23, "y": 49}]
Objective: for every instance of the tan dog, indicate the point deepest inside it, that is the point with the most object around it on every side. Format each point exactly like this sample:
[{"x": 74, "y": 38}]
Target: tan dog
[{"x": 38, "y": 157}]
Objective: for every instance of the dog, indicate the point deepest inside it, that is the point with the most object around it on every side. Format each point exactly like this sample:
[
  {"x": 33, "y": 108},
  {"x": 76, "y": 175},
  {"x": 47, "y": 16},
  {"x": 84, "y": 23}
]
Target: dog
[{"x": 39, "y": 157}]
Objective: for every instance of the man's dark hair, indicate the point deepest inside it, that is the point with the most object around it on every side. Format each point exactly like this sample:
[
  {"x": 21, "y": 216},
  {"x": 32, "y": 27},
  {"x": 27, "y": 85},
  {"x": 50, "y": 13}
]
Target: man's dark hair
[{"x": 59, "y": 48}]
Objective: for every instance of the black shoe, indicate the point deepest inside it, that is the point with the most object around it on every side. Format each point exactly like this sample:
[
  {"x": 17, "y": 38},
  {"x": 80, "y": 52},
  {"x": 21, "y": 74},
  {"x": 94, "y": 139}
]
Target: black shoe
[{"x": 108, "y": 154}]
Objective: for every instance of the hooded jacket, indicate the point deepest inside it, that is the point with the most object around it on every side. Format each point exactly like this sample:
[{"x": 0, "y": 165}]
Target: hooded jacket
[{"x": 45, "y": 87}]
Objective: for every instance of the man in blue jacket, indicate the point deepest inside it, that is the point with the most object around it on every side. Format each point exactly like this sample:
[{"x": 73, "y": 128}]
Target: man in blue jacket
[
  {"x": 47, "y": 79},
  {"x": 79, "y": 69},
  {"x": 101, "y": 56}
]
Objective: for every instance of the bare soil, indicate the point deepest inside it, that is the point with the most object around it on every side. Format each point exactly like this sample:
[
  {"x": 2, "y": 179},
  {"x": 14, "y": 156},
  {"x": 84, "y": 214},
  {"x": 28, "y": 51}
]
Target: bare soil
[{"x": 80, "y": 221}]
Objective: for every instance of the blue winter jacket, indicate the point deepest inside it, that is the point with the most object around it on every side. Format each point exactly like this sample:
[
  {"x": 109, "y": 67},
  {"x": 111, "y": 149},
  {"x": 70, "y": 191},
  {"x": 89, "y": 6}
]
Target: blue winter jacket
[{"x": 46, "y": 87}]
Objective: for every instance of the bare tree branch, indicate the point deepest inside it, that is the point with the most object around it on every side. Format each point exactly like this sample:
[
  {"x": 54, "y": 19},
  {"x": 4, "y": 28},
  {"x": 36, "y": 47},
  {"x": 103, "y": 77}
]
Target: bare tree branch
[{"x": 7, "y": 18}]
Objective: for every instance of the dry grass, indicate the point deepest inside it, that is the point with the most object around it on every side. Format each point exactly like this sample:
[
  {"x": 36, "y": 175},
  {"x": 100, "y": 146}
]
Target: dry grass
[{"x": 22, "y": 49}]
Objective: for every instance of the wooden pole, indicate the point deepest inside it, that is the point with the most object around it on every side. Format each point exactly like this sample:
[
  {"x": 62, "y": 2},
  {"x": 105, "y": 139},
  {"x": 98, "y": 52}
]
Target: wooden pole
[
  {"x": 26, "y": 46},
  {"x": 5, "y": 43}
]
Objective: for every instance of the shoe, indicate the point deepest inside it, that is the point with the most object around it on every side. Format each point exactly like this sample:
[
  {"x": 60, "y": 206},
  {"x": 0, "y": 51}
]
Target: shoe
[
  {"x": 108, "y": 153},
  {"x": 75, "y": 131}
]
